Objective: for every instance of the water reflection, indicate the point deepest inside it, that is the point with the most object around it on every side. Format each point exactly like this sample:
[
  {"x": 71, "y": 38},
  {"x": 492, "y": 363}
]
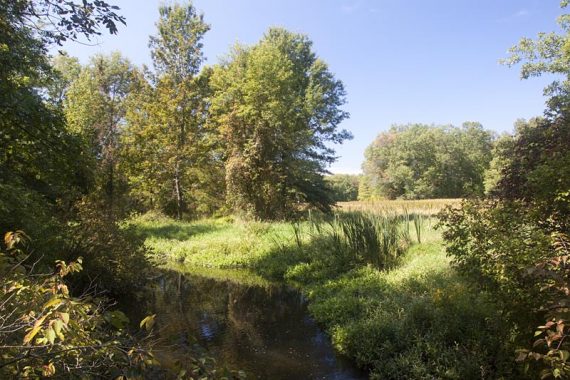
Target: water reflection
[{"x": 262, "y": 329}]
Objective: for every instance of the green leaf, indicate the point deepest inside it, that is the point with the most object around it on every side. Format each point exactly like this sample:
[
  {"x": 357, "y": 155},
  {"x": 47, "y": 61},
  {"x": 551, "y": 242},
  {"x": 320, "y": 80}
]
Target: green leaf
[
  {"x": 117, "y": 319},
  {"x": 64, "y": 318}
]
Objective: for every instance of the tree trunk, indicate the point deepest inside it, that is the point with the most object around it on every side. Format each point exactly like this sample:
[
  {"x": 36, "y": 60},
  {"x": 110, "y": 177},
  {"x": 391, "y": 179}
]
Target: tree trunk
[{"x": 178, "y": 190}]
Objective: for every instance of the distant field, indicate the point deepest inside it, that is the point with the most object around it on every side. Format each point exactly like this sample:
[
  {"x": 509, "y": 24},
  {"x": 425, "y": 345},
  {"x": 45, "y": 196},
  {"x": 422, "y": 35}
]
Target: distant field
[{"x": 422, "y": 206}]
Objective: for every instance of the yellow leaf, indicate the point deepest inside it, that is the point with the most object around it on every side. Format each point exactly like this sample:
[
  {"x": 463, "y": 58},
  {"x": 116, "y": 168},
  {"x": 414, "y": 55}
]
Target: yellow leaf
[
  {"x": 148, "y": 322},
  {"x": 64, "y": 318},
  {"x": 48, "y": 370},
  {"x": 37, "y": 326},
  {"x": 50, "y": 335},
  {"x": 54, "y": 301}
]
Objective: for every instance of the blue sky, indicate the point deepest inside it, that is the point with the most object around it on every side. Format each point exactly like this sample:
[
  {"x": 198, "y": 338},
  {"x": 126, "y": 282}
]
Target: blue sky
[{"x": 413, "y": 61}]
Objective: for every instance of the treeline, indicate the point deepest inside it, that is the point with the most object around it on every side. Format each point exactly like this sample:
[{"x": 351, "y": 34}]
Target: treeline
[
  {"x": 418, "y": 161},
  {"x": 250, "y": 135}
]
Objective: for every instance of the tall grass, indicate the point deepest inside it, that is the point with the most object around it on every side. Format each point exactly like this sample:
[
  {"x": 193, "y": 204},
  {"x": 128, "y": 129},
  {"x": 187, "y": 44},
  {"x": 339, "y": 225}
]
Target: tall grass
[
  {"x": 364, "y": 237},
  {"x": 426, "y": 207}
]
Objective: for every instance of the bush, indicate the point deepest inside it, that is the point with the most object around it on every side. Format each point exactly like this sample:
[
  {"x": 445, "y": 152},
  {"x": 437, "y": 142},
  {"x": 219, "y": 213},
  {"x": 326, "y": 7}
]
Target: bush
[
  {"x": 114, "y": 256},
  {"x": 46, "y": 331}
]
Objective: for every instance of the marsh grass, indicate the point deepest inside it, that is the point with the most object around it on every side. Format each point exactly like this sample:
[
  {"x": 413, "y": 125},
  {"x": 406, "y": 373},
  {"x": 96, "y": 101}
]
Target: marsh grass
[{"x": 426, "y": 207}]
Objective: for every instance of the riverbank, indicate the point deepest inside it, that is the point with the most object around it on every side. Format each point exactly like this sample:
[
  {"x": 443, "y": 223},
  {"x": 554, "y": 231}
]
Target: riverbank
[{"x": 414, "y": 319}]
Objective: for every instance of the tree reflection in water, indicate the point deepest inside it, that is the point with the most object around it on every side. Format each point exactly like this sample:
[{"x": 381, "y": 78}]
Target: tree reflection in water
[{"x": 263, "y": 329}]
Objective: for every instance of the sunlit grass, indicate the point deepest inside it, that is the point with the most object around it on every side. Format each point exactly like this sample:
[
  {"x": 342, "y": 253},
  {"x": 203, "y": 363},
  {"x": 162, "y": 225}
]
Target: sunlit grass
[{"x": 421, "y": 206}]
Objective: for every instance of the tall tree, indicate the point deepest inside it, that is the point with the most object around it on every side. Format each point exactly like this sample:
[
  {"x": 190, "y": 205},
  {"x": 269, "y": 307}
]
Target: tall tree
[
  {"x": 169, "y": 121},
  {"x": 278, "y": 108},
  {"x": 95, "y": 107}
]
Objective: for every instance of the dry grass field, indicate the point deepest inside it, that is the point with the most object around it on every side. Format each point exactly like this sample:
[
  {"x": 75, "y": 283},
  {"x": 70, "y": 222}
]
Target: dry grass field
[{"x": 428, "y": 207}]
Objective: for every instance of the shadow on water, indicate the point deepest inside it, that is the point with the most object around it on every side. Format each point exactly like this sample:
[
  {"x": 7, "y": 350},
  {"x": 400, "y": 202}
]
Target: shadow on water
[{"x": 259, "y": 327}]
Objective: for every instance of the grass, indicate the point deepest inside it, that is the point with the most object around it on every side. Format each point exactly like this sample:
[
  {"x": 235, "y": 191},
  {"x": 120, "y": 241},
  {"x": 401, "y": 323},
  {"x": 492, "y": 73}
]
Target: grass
[
  {"x": 429, "y": 207},
  {"x": 417, "y": 321},
  {"x": 415, "y": 318}
]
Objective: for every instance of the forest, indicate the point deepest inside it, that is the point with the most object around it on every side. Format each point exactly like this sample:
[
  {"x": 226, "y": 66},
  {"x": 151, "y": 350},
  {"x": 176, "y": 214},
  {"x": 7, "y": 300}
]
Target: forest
[{"x": 141, "y": 206}]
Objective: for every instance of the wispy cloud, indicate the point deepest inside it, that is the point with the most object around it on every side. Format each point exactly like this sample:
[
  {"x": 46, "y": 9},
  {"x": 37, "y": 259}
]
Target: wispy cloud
[
  {"x": 350, "y": 7},
  {"x": 358, "y": 6},
  {"x": 521, "y": 13}
]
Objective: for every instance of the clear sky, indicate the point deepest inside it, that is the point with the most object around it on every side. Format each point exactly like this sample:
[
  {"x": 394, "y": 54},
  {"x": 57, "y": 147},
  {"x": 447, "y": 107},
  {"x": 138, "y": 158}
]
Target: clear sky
[{"x": 402, "y": 61}]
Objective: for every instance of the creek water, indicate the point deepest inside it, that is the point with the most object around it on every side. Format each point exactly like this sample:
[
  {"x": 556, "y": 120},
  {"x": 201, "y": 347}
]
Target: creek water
[{"x": 259, "y": 327}]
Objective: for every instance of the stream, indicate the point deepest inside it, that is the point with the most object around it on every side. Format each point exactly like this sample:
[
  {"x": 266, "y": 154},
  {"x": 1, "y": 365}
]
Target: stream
[{"x": 246, "y": 323}]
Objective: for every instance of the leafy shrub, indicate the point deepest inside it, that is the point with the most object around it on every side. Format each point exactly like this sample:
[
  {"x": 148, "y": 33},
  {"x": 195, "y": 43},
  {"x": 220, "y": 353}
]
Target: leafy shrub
[
  {"x": 45, "y": 331},
  {"x": 114, "y": 256},
  {"x": 516, "y": 245}
]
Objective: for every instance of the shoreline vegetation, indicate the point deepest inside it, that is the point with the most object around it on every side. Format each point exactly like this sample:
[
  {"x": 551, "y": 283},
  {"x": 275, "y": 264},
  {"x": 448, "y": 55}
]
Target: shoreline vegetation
[{"x": 380, "y": 285}]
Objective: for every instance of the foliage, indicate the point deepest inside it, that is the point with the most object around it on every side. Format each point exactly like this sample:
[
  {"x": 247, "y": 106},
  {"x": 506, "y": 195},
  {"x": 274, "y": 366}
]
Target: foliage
[
  {"x": 416, "y": 321},
  {"x": 539, "y": 172},
  {"x": 495, "y": 245},
  {"x": 547, "y": 54},
  {"x": 95, "y": 107},
  {"x": 515, "y": 244},
  {"x": 58, "y": 21},
  {"x": 501, "y": 156},
  {"x": 42, "y": 166},
  {"x": 551, "y": 347},
  {"x": 420, "y": 161},
  {"x": 114, "y": 258},
  {"x": 277, "y": 106},
  {"x": 45, "y": 331},
  {"x": 66, "y": 70},
  {"x": 172, "y": 155},
  {"x": 344, "y": 187}
]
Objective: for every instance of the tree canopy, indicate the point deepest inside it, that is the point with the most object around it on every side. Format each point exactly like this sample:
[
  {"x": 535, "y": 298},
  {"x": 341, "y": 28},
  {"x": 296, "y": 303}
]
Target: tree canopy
[
  {"x": 277, "y": 107},
  {"x": 421, "y": 161}
]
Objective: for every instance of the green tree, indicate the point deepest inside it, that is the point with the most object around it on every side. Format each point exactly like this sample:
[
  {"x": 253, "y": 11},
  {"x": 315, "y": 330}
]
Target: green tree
[
  {"x": 40, "y": 161},
  {"x": 344, "y": 186},
  {"x": 421, "y": 161},
  {"x": 549, "y": 53},
  {"x": 95, "y": 108},
  {"x": 153, "y": 152},
  {"x": 501, "y": 150},
  {"x": 168, "y": 132},
  {"x": 278, "y": 107},
  {"x": 66, "y": 70}
]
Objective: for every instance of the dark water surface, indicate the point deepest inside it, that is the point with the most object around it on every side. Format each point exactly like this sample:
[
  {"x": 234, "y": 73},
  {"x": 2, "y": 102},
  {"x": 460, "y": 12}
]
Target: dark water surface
[{"x": 261, "y": 328}]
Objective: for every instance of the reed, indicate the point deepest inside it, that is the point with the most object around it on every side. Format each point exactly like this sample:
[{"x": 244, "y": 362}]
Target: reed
[{"x": 365, "y": 237}]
